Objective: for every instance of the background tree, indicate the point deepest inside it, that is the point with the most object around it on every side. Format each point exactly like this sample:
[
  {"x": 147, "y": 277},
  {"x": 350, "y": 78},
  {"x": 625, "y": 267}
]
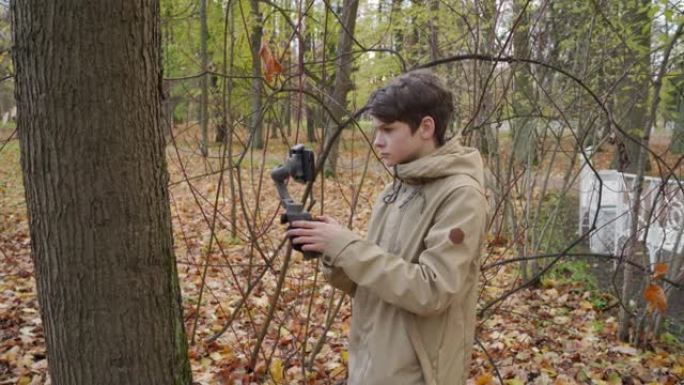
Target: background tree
[
  {"x": 204, "y": 79},
  {"x": 633, "y": 91},
  {"x": 674, "y": 101},
  {"x": 343, "y": 82},
  {"x": 257, "y": 113}
]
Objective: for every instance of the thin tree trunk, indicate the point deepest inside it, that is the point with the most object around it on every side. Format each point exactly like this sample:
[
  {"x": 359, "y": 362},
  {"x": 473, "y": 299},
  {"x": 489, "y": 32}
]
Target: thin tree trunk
[
  {"x": 628, "y": 288},
  {"x": 310, "y": 125},
  {"x": 678, "y": 131},
  {"x": 95, "y": 177},
  {"x": 483, "y": 95},
  {"x": 524, "y": 133},
  {"x": 287, "y": 103},
  {"x": 523, "y": 130},
  {"x": 433, "y": 26},
  {"x": 627, "y": 157},
  {"x": 307, "y": 106},
  {"x": 167, "y": 108},
  {"x": 256, "y": 122},
  {"x": 204, "y": 99},
  {"x": 343, "y": 83},
  {"x": 228, "y": 121},
  {"x": 633, "y": 95},
  {"x": 398, "y": 33}
]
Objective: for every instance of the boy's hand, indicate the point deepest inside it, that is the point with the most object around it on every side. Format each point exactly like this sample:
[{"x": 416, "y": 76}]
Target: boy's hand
[{"x": 314, "y": 235}]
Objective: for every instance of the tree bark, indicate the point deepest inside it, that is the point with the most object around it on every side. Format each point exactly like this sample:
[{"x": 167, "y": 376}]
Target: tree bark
[
  {"x": 523, "y": 127},
  {"x": 523, "y": 130},
  {"x": 398, "y": 33},
  {"x": 678, "y": 131},
  {"x": 633, "y": 242},
  {"x": 483, "y": 94},
  {"x": 167, "y": 108},
  {"x": 305, "y": 104},
  {"x": 204, "y": 80},
  {"x": 633, "y": 97},
  {"x": 95, "y": 177},
  {"x": 256, "y": 122},
  {"x": 633, "y": 93},
  {"x": 343, "y": 83},
  {"x": 310, "y": 129},
  {"x": 433, "y": 26}
]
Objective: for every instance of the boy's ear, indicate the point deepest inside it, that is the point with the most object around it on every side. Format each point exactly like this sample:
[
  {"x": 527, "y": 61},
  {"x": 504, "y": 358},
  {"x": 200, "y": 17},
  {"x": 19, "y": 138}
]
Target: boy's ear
[{"x": 427, "y": 127}]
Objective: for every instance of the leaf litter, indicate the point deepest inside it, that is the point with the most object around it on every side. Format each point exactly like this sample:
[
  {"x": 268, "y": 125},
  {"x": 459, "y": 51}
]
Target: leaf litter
[{"x": 551, "y": 335}]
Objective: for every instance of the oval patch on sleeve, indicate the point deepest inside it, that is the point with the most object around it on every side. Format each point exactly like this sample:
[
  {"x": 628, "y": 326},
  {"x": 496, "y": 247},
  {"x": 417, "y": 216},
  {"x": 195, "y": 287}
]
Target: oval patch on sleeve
[{"x": 456, "y": 236}]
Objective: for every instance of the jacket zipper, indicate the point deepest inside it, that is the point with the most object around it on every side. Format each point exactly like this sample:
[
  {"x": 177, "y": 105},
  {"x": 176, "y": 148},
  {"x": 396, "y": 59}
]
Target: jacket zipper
[{"x": 392, "y": 245}]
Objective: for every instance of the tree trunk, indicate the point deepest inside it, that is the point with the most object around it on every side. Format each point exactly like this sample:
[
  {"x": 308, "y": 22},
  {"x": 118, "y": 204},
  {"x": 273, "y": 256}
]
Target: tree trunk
[
  {"x": 287, "y": 103},
  {"x": 398, "y": 33},
  {"x": 633, "y": 97},
  {"x": 310, "y": 132},
  {"x": 678, "y": 131},
  {"x": 343, "y": 83},
  {"x": 633, "y": 93},
  {"x": 204, "y": 98},
  {"x": 167, "y": 108},
  {"x": 224, "y": 129},
  {"x": 523, "y": 128},
  {"x": 483, "y": 95},
  {"x": 433, "y": 26},
  {"x": 95, "y": 177},
  {"x": 414, "y": 49},
  {"x": 524, "y": 134},
  {"x": 228, "y": 122},
  {"x": 305, "y": 103},
  {"x": 256, "y": 122}
]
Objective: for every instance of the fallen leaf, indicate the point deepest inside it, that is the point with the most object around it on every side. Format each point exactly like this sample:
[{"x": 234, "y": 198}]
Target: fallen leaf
[
  {"x": 625, "y": 349},
  {"x": 205, "y": 362},
  {"x": 614, "y": 378},
  {"x": 483, "y": 379},
  {"x": 276, "y": 370},
  {"x": 514, "y": 381}
]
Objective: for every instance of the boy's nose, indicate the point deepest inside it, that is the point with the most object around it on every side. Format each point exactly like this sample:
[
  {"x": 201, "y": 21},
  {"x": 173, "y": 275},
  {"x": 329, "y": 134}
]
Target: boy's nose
[{"x": 379, "y": 141}]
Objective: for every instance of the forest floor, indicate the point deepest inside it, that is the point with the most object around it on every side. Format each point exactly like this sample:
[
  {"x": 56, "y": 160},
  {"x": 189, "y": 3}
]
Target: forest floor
[{"x": 562, "y": 332}]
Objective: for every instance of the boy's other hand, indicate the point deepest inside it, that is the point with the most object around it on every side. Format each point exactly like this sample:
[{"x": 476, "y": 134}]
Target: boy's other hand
[{"x": 314, "y": 235}]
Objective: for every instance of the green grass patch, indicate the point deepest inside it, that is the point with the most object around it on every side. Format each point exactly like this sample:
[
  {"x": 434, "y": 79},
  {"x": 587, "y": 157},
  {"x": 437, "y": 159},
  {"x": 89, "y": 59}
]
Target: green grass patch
[
  {"x": 574, "y": 272},
  {"x": 597, "y": 326},
  {"x": 671, "y": 340},
  {"x": 10, "y": 125}
]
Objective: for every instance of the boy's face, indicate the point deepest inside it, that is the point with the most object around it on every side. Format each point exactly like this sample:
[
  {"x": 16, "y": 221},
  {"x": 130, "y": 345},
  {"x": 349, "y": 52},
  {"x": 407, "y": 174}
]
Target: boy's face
[{"x": 395, "y": 143}]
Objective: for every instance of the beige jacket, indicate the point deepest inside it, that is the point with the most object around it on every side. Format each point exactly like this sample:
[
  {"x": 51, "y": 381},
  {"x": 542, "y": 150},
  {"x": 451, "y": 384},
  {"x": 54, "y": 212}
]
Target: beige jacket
[{"x": 414, "y": 279}]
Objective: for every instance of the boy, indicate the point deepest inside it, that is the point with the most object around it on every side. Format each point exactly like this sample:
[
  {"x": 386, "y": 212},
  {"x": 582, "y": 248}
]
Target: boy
[{"x": 413, "y": 280}]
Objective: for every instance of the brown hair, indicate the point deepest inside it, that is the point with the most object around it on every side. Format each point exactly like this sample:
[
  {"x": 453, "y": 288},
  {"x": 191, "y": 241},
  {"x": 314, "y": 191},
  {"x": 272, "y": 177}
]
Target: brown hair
[{"x": 412, "y": 96}]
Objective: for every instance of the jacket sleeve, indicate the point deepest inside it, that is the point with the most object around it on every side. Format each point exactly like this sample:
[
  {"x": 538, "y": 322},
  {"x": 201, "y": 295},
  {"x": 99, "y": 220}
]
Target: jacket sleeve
[
  {"x": 338, "y": 279},
  {"x": 452, "y": 244}
]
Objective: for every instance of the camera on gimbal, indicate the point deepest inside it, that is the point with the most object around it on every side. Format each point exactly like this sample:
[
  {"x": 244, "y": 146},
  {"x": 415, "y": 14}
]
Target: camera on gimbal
[{"x": 300, "y": 166}]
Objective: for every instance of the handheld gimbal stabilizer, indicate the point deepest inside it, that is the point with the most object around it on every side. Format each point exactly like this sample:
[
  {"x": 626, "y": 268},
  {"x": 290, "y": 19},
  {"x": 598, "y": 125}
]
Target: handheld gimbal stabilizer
[{"x": 299, "y": 165}]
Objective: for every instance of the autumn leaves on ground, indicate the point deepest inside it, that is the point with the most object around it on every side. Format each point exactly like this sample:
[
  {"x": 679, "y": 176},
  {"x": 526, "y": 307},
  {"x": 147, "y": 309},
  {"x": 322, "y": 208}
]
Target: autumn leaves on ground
[{"x": 562, "y": 332}]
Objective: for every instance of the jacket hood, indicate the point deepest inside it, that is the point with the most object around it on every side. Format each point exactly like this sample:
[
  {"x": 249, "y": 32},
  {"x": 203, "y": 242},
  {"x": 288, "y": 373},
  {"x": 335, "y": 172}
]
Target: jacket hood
[{"x": 452, "y": 158}]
